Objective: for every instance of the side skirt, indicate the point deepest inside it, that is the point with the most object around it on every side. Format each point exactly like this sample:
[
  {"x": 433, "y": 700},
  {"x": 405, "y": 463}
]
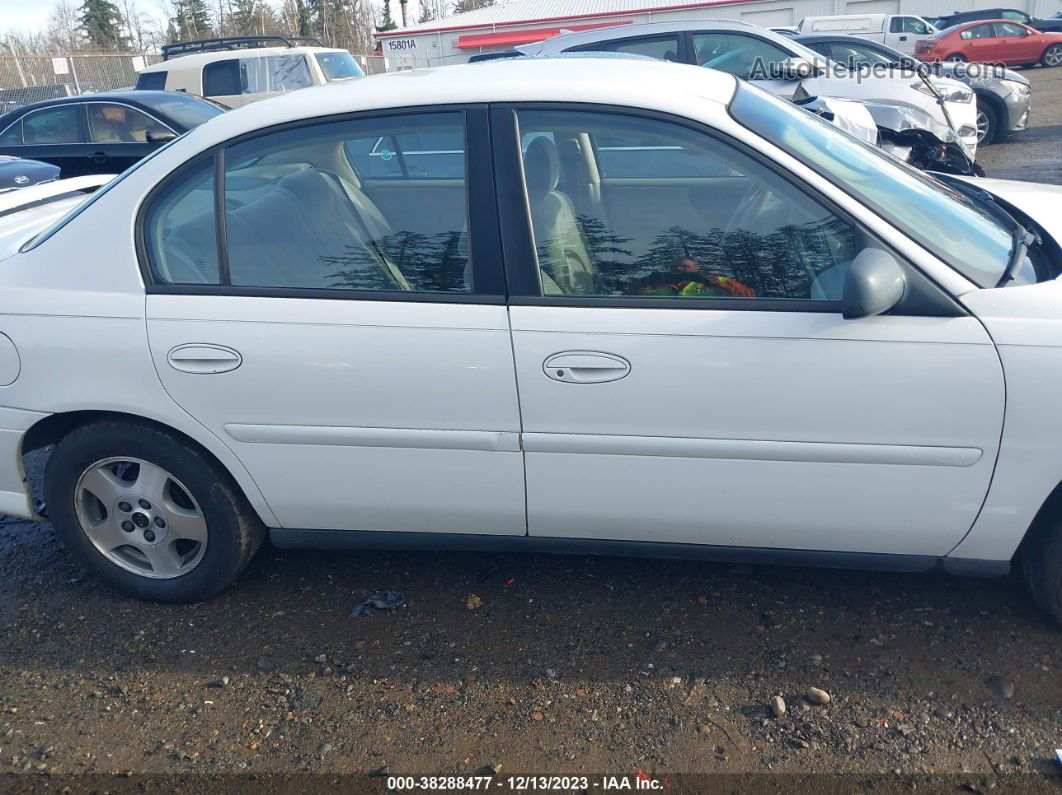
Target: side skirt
[{"x": 371, "y": 539}]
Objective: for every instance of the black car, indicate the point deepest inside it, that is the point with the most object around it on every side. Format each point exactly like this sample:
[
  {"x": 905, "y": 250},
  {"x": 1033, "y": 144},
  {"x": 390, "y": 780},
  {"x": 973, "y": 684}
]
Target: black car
[
  {"x": 18, "y": 173},
  {"x": 1003, "y": 96},
  {"x": 100, "y": 133},
  {"x": 1050, "y": 25}
]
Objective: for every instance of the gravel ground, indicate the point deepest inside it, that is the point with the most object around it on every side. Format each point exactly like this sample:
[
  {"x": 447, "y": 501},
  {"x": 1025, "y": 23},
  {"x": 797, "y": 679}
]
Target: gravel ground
[{"x": 533, "y": 665}]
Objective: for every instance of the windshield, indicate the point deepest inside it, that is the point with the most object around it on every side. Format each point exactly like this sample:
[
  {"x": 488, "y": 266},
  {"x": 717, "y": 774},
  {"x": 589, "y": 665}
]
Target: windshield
[
  {"x": 953, "y": 226},
  {"x": 338, "y": 65},
  {"x": 187, "y": 111}
]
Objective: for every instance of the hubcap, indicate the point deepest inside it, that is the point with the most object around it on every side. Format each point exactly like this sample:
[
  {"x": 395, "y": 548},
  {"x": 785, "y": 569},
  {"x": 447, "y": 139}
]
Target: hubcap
[
  {"x": 140, "y": 517},
  {"x": 1053, "y": 57},
  {"x": 982, "y": 125}
]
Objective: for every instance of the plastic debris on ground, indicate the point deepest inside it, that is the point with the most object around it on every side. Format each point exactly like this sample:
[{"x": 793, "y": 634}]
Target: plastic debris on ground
[{"x": 381, "y": 600}]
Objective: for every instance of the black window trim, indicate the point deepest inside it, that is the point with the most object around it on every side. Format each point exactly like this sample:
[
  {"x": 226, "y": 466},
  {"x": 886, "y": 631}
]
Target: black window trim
[
  {"x": 521, "y": 257},
  {"x": 485, "y": 252}
]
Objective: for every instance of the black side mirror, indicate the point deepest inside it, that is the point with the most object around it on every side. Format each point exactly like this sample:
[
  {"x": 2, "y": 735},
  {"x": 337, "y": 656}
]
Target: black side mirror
[
  {"x": 160, "y": 136},
  {"x": 874, "y": 284}
]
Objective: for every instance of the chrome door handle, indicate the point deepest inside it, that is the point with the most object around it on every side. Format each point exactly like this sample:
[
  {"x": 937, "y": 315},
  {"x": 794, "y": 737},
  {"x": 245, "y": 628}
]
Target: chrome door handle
[
  {"x": 202, "y": 358},
  {"x": 585, "y": 367}
]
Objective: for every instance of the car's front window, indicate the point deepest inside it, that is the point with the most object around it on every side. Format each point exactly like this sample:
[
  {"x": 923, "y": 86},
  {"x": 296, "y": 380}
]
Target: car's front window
[
  {"x": 951, "y": 225},
  {"x": 338, "y": 66}
]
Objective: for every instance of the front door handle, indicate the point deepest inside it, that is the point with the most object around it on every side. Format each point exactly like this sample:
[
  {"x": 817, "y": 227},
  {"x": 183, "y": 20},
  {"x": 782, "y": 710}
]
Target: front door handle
[
  {"x": 585, "y": 367},
  {"x": 203, "y": 358},
  {"x": 98, "y": 157}
]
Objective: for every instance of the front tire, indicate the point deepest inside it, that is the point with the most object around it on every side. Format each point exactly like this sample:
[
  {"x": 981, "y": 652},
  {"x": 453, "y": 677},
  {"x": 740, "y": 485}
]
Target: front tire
[
  {"x": 956, "y": 57},
  {"x": 142, "y": 507},
  {"x": 1041, "y": 563},
  {"x": 1052, "y": 56},
  {"x": 987, "y": 123}
]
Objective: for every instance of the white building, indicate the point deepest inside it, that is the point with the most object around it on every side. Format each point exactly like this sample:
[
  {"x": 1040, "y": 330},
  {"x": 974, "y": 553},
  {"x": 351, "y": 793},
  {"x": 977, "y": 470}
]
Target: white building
[{"x": 503, "y": 26}]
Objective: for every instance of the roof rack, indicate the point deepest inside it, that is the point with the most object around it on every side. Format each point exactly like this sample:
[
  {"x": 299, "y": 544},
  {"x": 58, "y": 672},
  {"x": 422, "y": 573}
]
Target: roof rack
[{"x": 235, "y": 43}]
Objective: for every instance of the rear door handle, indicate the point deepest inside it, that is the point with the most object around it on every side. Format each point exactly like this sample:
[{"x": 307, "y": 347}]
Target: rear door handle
[
  {"x": 98, "y": 157},
  {"x": 202, "y": 358},
  {"x": 585, "y": 367}
]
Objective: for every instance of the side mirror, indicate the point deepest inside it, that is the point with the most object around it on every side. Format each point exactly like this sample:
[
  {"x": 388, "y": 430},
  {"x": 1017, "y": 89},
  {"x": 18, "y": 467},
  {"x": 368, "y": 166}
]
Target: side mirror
[
  {"x": 160, "y": 137},
  {"x": 797, "y": 68},
  {"x": 874, "y": 284}
]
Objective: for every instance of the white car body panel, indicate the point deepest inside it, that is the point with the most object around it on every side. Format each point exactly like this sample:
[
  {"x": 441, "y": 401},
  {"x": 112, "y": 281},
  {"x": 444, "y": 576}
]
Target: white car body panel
[
  {"x": 881, "y": 433},
  {"x": 346, "y": 403},
  {"x": 25, "y": 212},
  {"x": 809, "y": 406}
]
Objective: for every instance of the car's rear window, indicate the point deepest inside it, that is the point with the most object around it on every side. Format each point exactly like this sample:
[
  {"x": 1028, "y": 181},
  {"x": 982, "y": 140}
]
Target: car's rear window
[
  {"x": 188, "y": 111},
  {"x": 151, "y": 81}
]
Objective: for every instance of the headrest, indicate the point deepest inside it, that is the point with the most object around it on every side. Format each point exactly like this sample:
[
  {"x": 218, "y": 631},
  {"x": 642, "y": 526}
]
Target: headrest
[{"x": 541, "y": 168}]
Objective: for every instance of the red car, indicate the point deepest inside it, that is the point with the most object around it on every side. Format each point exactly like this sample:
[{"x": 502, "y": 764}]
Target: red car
[{"x": 993, "y": 41}]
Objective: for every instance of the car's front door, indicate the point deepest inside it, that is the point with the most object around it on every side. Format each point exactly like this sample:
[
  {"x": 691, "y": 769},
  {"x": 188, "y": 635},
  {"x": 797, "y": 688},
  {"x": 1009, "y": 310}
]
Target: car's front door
[
  {"x": 356, "y": 359},
  {"x": 1016, "y": 44},
  {"x": 120, "y": 135},
  {"x": 685, "y": 372}
]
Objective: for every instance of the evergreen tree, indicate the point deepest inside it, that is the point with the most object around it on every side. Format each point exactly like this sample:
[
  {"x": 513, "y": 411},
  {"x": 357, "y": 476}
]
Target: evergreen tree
[
  {"x": 303, "y": 17},
  {"x": 244, "y": 16},
  {"x": 191, "y": 19},
  {"x": 101, "y": 25},
  {"x": 388, "y": 22}
]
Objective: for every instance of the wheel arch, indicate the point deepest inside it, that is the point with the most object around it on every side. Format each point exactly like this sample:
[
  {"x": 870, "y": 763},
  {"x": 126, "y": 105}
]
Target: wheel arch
[
  {"x": 54, "y": 427},
  {"x": 1051, "y": 507}
]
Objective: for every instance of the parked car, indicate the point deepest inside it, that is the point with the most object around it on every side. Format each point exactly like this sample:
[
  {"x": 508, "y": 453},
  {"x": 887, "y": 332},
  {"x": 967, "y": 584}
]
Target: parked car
[
  {"x": 1051, "y": 24},
  {"x": 237, "y": 70},
  {"x": 332, "y": 359},
  {"x": 1003, "y": 96},
  {"x": 17, "y": 172},
  {"x": 105, "y": 132},
  {"x": 902, "y": 31},
  {"x": 776, "y": 63},
  {"x": 998, "y": 41}
]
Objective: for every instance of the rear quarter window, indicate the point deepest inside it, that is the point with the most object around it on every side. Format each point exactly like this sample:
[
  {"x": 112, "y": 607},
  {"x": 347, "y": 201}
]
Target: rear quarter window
[{"x": 151, "y": 81}]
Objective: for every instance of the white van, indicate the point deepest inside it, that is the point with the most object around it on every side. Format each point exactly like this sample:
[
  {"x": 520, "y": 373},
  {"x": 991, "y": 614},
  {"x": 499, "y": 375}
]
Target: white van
[
  {"x": 899, "y": 31},
  {"x": 242, "y": 69}
]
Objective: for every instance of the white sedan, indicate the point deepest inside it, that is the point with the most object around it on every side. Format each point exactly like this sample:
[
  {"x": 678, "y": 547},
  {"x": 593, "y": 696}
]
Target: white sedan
[{"x": 539, "y": 305}]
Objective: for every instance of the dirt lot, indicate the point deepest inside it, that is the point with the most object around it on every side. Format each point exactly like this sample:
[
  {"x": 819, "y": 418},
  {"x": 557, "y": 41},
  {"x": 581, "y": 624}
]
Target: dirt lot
[{"x": 533, "y": 665}]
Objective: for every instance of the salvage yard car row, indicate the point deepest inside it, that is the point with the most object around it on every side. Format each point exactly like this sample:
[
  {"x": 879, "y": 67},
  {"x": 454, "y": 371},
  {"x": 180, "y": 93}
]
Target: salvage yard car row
[{"x": 538, "y": 304}]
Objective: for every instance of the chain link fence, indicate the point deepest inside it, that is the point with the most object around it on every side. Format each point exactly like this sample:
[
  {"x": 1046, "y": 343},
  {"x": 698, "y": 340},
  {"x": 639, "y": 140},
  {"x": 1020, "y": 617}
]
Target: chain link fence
[{"x": 32, "y": 78}]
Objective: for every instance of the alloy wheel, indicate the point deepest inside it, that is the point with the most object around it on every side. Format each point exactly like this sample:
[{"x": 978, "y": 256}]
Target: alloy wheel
[
  {"x": 1053, "y": 57},
  {"x": 140, "y": 517}
]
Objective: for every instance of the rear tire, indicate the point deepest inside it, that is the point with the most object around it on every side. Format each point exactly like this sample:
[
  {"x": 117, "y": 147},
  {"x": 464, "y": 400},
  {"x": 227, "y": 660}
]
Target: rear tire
[
  {"x": 1052, "y": 56},
  {"x": 144, "y": 508},
  {"x": 1041, "y": 563}
]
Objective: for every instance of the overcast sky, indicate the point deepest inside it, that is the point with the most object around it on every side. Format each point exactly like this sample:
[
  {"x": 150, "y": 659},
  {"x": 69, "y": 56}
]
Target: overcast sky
[{"x": 31, "y": 16}]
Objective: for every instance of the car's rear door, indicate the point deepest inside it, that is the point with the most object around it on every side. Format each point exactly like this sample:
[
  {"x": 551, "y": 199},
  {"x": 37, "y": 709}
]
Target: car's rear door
[
  {"x": 357, "y": 361},
  {"x": 54, "y": 134},
  {"x": 685, "y": 373},
  {"x": 1016, "y": 44}
]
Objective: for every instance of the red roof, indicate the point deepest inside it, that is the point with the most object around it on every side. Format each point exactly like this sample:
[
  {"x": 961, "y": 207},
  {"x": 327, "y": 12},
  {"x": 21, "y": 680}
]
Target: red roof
[{"x": 511, "y": 38}]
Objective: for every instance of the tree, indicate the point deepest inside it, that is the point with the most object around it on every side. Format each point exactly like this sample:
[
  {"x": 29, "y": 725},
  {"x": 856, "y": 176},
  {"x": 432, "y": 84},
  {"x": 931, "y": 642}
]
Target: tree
[
  {"x": 388, "y": 22},
  {"x": 191, "y": 19},
  {"x": 461, "y": 6},
  {"x": 101, "y": 25}
]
